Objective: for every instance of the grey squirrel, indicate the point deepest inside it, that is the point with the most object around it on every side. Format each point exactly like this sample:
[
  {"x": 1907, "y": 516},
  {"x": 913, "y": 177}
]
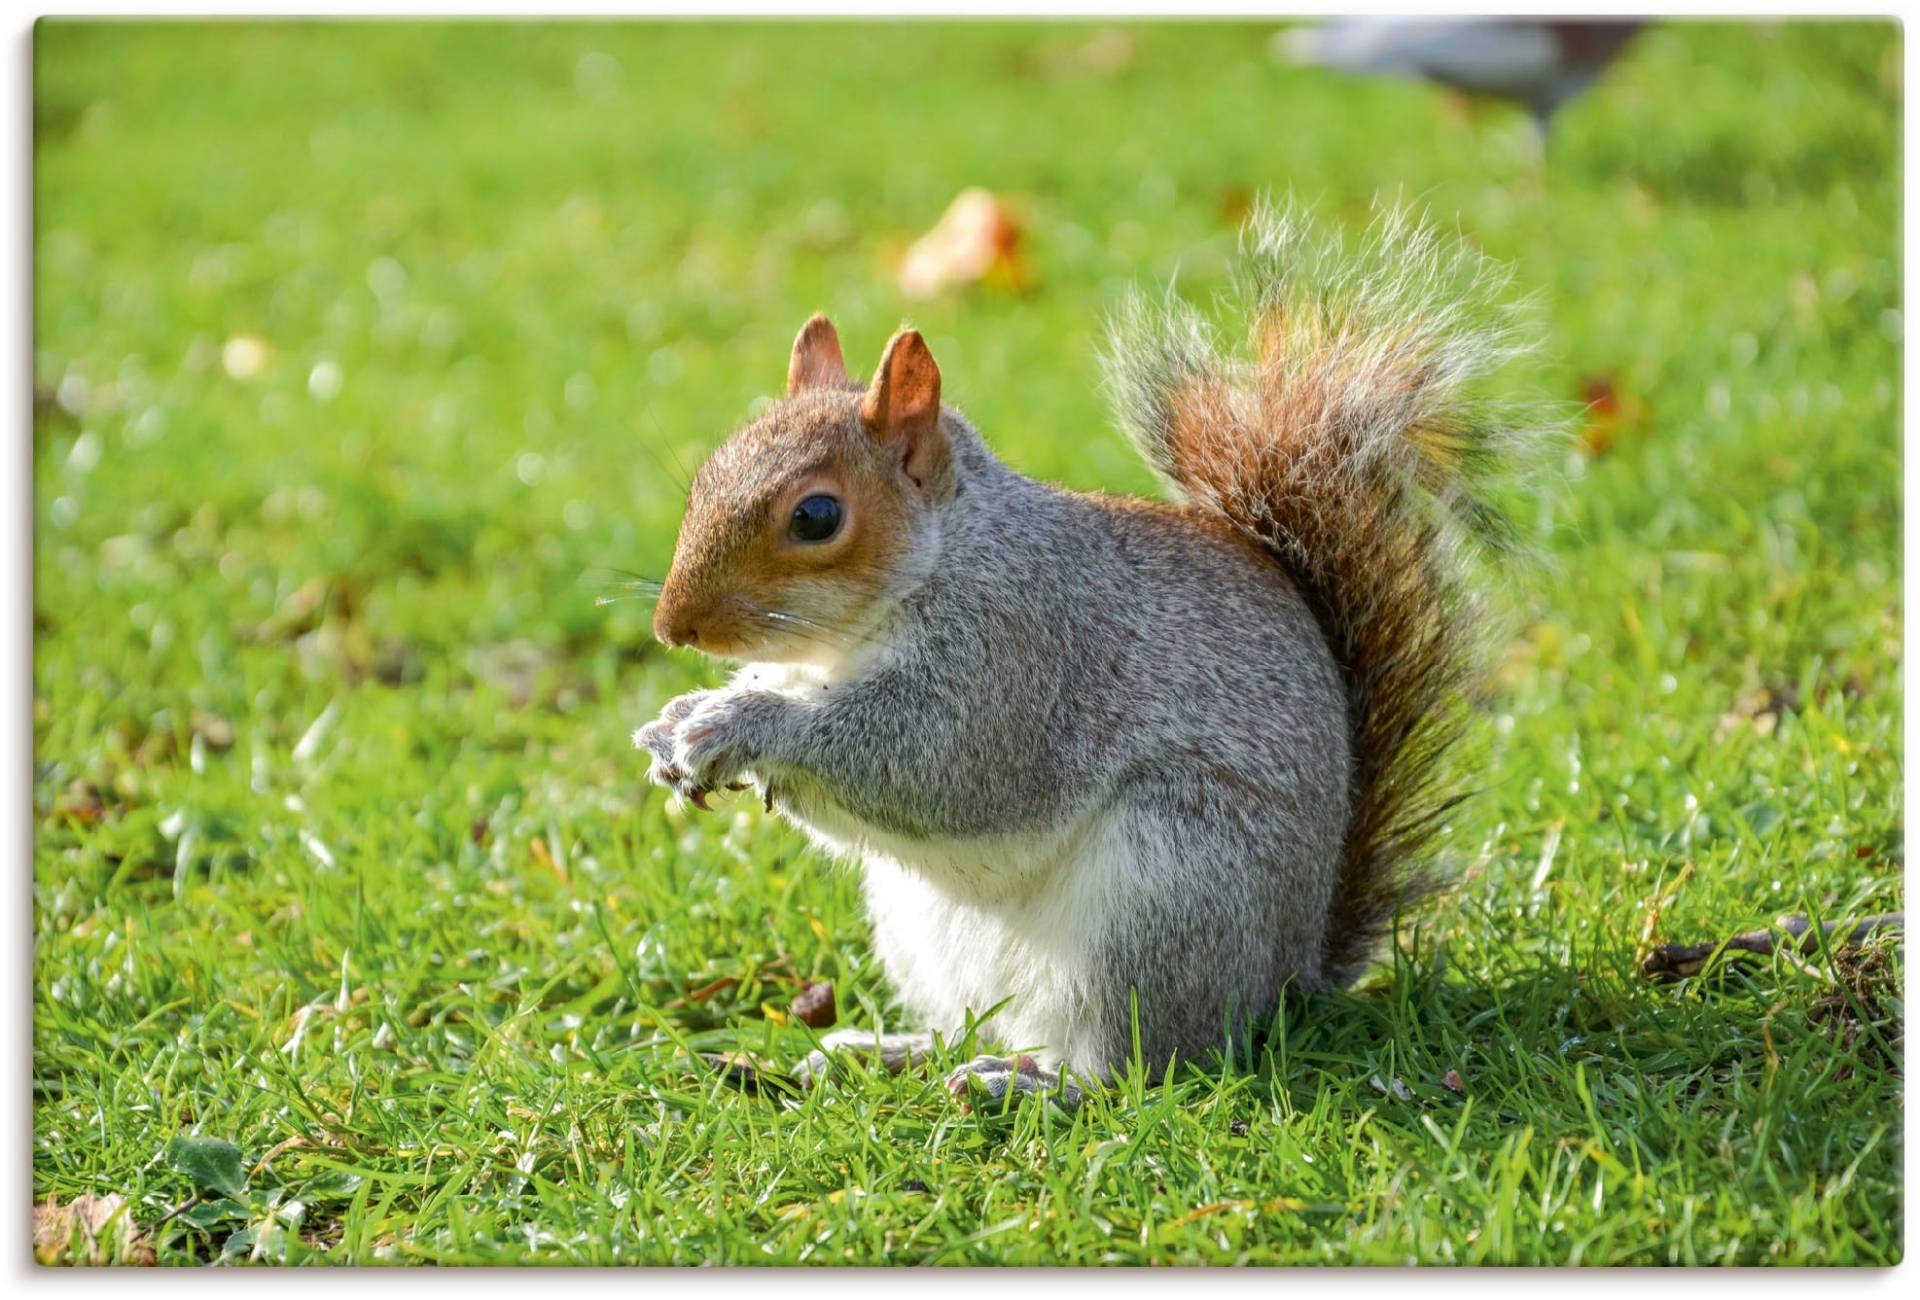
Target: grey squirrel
[{"x": 1109, "y": 763}]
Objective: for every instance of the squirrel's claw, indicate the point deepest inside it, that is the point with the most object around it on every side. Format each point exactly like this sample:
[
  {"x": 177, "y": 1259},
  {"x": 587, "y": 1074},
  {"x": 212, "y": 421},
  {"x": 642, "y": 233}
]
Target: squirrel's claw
[{"x": 699, "y": 744}]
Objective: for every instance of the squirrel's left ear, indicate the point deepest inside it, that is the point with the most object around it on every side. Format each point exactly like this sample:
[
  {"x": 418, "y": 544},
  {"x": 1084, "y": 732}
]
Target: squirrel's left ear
[
  {"x": 816, "y": 360},
  {"x": 902, "y": 407}
]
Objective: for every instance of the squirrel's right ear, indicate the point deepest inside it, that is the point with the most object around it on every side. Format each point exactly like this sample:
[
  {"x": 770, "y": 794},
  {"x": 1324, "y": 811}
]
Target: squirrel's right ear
[
  {"x": 816, "y": 362},
  {"x": 902, "y": 407}
]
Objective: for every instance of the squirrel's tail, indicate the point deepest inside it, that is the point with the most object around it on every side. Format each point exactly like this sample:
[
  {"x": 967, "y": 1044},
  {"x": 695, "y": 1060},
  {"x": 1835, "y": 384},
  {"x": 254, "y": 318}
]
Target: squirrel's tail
[{"x": 1356, "y": 447}]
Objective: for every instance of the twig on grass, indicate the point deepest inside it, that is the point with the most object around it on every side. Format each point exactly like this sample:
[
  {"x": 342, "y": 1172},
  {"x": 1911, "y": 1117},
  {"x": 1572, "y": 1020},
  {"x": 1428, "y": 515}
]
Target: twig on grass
[{"x": 1674, "y": 961}]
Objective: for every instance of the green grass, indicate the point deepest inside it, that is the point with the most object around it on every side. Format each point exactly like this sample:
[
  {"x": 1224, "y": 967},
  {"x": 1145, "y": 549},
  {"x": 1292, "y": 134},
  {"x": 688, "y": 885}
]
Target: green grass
[{"x": 341, "y": 852}]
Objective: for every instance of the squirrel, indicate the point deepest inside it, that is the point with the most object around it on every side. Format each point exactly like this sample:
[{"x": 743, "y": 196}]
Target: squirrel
[{"x": 1117, "y": 772}]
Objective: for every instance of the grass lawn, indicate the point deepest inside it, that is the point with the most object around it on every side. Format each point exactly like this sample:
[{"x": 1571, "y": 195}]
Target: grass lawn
[{"x": 357, "y": 345}]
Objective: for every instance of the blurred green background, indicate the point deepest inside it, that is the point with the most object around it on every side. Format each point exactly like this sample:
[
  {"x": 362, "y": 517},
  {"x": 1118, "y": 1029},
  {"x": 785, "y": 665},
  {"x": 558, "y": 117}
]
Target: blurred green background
[{"x": 357, "y": 345}]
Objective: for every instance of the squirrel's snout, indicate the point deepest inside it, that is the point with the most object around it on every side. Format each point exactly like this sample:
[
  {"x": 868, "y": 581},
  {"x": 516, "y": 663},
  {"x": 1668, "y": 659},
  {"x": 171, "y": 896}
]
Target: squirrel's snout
[
  {"x": 674, "y": 627},
  {"x": 699, "y": 611},
  {"x": 679, "y": 613}
]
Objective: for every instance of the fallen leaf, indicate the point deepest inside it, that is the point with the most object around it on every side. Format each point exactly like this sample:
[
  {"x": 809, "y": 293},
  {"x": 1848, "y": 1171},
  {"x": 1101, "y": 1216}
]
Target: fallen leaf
[
  {"x": 976, "y": 238},
  {"x": 88, "y": 1230},
  {"x": 813, "y": 1005},
  {"x": 1609, "y": 413},
  {"x": 1454, "y": 1082}
]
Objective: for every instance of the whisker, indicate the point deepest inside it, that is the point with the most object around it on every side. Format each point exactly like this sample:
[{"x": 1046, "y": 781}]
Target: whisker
[
  {"x": 616, "y": 585},
  {"x": 822, "y": 632},
  {"x": 794, "y": 620},
  {"x": 619, "y": 584},
  {"x": 776, "y": 619},
  {"x": 654, "y": 442},
  {"x": 799, "y": 632},
  {"x": 604, "y": 576}
]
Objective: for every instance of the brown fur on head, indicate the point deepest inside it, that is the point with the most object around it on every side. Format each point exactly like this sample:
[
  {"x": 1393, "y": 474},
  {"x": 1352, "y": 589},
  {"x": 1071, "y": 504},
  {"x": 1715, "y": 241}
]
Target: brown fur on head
[{"x": 743, "y": 584}]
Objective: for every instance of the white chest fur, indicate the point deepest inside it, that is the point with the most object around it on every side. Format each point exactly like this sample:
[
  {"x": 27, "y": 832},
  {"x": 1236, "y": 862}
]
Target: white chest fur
[{"x": 965, "y": 926}]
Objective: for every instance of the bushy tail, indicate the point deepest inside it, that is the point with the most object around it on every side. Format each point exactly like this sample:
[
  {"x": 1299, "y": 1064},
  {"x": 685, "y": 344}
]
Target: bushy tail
[{"x": 1356, "y": 446}]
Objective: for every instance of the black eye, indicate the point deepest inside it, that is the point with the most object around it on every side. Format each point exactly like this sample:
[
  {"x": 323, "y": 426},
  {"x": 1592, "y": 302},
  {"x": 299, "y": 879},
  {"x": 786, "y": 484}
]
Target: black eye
[{"x": 815, "y": 519}]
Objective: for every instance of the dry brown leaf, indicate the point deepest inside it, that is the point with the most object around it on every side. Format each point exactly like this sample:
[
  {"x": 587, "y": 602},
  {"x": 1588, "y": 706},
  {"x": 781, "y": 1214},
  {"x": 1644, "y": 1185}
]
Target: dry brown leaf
[
  {"x": 88, "y": 1230},
  {"x": 977, "y": 238},
  {"x": 1609, "y": 413},
  {"x": 813, "y": 1005}
]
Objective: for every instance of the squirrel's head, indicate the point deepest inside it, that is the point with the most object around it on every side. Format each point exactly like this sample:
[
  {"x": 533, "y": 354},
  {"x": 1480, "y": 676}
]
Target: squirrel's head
[{"x": 800, "y": 525}]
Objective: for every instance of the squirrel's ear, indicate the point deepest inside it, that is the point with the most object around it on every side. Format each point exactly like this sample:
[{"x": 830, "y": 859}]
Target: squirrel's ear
[
  {"x": 902, "y": 406},
  {"x": 816, "y": 362}
]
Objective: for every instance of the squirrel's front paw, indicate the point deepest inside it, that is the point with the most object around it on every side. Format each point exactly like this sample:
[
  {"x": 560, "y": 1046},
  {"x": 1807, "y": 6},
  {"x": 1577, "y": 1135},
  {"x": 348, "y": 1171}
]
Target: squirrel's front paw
[
  {"x": 707, "y": 739},
  {"x": 657, "y": 738},
  {"x": 720, "y": 737}
]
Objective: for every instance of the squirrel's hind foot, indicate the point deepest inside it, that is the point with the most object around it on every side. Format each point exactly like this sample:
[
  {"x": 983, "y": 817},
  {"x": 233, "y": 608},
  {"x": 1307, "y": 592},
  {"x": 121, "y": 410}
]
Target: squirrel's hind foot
[{"x": 994, "y": 1076}]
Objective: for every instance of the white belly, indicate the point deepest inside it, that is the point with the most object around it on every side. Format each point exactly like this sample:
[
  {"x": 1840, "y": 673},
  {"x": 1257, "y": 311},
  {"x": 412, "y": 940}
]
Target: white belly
[{"x": 964, "y": 926}]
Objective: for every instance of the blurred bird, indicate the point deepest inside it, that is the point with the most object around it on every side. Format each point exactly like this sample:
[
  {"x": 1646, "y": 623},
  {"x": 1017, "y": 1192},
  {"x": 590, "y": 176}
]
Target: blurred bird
[{"x": 1540, "y": 63}]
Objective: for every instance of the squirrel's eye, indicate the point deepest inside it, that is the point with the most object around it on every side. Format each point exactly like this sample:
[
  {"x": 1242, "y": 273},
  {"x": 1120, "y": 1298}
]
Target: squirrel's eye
[{"x": 815, "y": 519}]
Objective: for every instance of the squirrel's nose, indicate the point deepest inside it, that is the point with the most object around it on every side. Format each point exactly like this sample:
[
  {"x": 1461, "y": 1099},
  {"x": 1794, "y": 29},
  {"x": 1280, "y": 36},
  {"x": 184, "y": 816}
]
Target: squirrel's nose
[{"x": 675, "y": 629}]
